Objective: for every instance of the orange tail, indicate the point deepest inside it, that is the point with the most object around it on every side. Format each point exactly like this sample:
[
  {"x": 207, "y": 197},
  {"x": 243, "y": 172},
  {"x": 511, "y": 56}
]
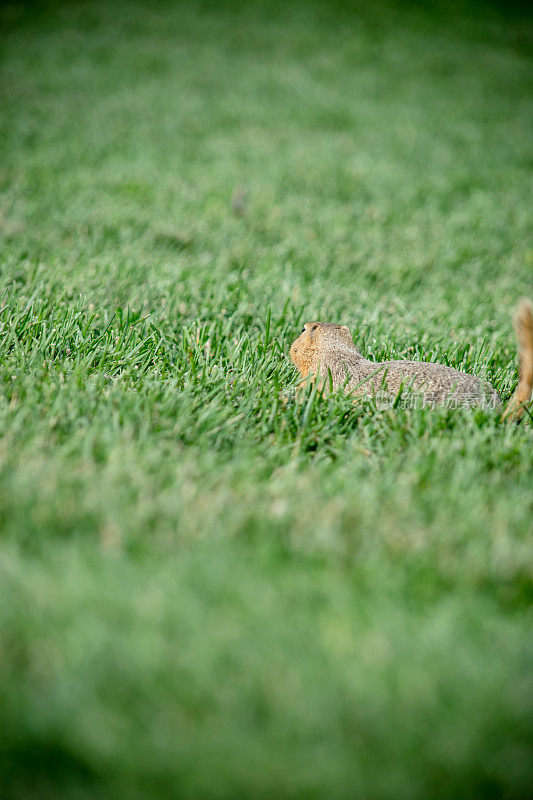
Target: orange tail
[{"x": 523, "y": 323}]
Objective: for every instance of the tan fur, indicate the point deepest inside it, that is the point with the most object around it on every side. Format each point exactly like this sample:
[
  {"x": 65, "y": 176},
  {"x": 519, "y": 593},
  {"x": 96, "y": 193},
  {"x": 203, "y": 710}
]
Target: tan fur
[
  {"x": 523, "y": 322},
  {"x": 316, "y": 339},
  {"x": 325, "y": 352}
]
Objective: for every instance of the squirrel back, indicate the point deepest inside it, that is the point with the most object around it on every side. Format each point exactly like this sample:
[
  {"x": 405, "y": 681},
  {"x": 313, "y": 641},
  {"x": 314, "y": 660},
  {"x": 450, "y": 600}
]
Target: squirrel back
[{"x": 325, "y": 352}]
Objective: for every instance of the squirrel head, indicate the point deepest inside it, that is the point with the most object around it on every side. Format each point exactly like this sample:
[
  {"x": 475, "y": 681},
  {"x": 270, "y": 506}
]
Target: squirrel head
[{"x": 320, "y": 342}]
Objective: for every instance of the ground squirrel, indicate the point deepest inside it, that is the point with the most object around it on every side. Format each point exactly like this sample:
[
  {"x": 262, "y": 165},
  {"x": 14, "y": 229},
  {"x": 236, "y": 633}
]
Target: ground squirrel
[{"x": 326, "y": 352}]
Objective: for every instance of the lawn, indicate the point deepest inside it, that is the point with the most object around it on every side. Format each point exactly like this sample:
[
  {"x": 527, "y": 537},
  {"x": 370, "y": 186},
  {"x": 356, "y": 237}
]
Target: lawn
[{"x": 208, "y": 590}]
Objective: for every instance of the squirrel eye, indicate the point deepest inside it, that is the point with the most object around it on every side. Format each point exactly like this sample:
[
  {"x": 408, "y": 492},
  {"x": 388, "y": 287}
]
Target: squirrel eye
[{"x": 303, "y": 330}]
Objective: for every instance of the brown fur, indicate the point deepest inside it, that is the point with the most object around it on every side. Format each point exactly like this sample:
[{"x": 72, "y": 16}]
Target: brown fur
[
  {"x": 523, "y": 322},
  {"x": 325, "y": 352}
]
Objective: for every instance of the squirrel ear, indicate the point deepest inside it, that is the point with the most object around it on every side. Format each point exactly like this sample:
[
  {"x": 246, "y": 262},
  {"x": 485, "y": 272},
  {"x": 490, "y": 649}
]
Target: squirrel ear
[{"x": 345, "y": 328}]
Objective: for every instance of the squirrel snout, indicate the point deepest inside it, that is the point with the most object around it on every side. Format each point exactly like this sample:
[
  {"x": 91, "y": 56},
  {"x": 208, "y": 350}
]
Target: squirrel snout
[
  {"x": 292, "y": 352},
  {"x": 295, "y": 351}
]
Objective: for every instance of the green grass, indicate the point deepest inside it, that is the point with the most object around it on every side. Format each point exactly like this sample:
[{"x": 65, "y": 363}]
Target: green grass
[{"x": 206, "y": 592}]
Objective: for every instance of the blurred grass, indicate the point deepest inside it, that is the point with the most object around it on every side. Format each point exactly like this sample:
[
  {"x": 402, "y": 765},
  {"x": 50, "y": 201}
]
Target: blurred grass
[{"x": 206, "y": 592}]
